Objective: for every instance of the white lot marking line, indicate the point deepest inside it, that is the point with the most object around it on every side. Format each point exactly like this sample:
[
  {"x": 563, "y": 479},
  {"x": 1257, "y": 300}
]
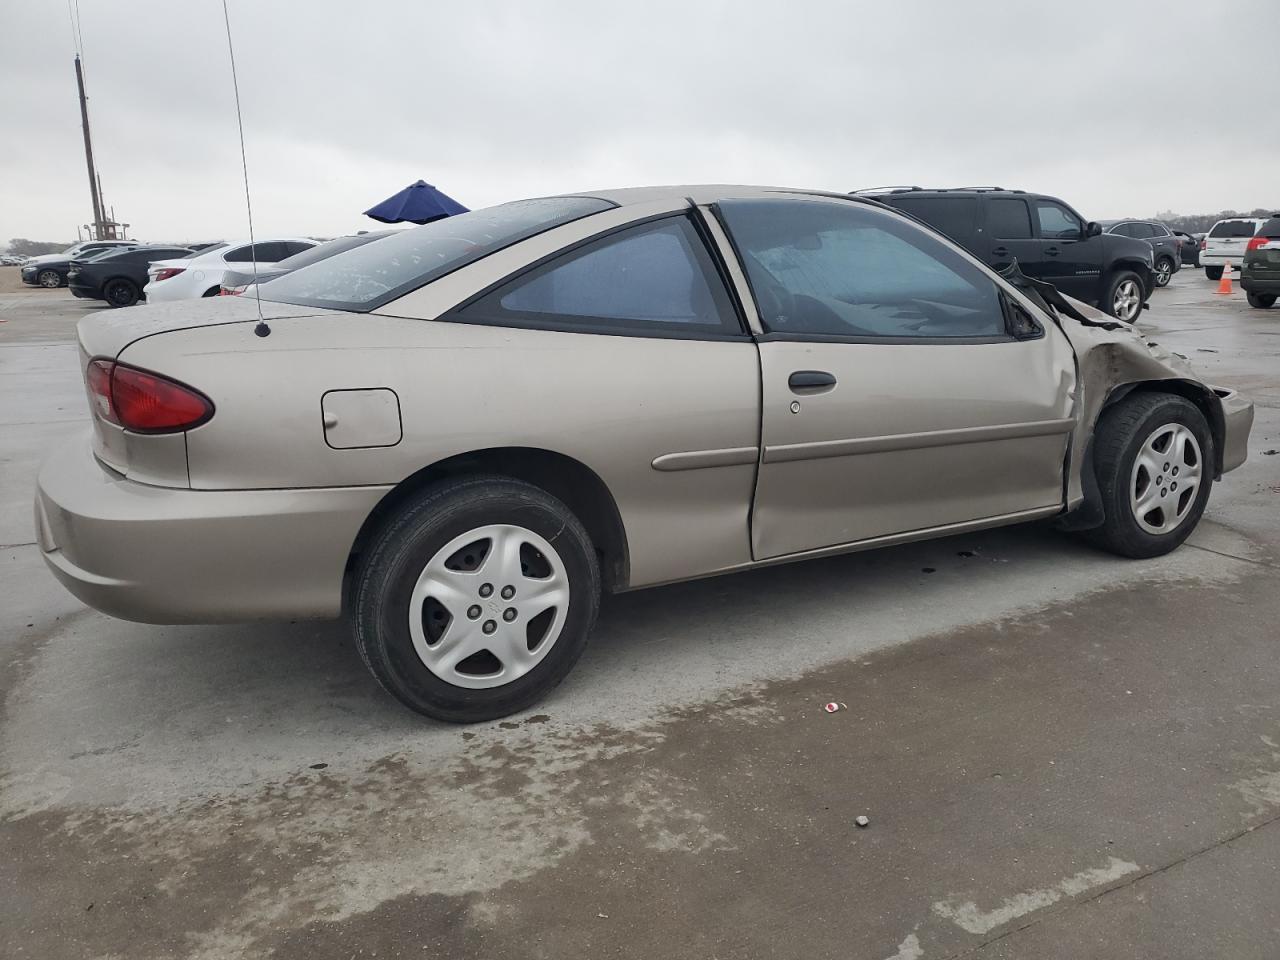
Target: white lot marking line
[
  {"x": 908, "y": 949},
  {"x": 969, "y": 918}
]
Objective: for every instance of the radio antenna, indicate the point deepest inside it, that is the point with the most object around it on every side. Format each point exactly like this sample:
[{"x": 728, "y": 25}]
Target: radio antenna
[{"x": 261, "y": 329}]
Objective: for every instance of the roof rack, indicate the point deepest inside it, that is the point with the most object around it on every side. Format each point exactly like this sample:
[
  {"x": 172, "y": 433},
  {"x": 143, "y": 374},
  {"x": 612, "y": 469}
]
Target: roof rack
[{"x": 871, "y": 191}]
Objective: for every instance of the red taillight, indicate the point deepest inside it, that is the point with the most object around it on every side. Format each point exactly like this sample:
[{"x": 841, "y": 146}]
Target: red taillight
[
  {"x": 232, "y": 291},
  {"x": 1257, "y": 243},
  {"x": 144, "y": 402},
  {"x": 164, "y": 273}
]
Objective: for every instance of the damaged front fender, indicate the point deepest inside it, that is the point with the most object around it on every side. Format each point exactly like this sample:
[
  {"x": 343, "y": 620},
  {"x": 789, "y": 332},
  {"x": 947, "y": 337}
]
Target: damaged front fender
[{"x": 1114, "y": 360}]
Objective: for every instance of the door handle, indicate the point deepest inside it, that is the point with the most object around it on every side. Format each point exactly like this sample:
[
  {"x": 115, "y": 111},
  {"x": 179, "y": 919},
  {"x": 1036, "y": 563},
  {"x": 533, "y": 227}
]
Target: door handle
[
  {"x": 810, "y": 381},
  {"x": 1000, "y": 252},
  {"x": 1052, "y": 252}
]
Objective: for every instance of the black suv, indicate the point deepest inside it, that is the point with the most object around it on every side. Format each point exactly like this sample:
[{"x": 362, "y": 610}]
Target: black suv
[
  {"x": 1167, "y": 247},
  {"x": 1050, "y": 241}
]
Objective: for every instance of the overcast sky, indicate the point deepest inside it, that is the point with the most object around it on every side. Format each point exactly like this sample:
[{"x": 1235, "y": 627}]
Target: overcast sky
[{"x": 1118, "y": 108}]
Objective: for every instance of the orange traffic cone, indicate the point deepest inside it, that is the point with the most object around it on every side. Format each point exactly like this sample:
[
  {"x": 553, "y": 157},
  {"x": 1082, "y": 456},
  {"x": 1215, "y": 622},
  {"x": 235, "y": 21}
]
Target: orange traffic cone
[{"x": 1224, "y": 285}]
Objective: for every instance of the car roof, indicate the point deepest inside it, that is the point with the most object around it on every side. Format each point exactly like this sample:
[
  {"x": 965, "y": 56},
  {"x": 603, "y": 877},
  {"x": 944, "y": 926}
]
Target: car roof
[{"x": 697, "y": 192}]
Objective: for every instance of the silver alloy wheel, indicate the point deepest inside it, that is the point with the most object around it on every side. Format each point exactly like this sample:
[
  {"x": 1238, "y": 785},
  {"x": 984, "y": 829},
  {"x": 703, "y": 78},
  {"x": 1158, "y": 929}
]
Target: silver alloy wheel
[
  {"x": 1164, "y": 272},
  {"x": 1166, "y": 478},
  {"x": 1127, "y": 302},
  {"x": 49, "y": 278},
  {"x": 489, "y": 606}
]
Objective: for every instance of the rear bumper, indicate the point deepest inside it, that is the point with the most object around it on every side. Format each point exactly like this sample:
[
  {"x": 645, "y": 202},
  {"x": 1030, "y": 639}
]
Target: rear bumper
[
  {"x": 1256, "y": 285},
  {"x": 1237, "y": 421},
  {"x": 165, "y": 555},
  {"x": 1220, "y": 260}
]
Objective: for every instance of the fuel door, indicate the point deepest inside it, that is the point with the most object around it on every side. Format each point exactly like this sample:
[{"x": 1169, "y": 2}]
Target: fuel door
[{"x": 361, "y": 418}]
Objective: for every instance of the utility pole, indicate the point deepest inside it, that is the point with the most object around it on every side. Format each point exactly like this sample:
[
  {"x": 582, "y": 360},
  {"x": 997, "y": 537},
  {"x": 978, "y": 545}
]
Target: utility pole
[{"x": 98, "y": 219}]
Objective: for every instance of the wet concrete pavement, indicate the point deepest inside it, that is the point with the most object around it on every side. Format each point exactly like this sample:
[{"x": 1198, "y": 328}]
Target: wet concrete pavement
[{"x": 1061, "y": 754}]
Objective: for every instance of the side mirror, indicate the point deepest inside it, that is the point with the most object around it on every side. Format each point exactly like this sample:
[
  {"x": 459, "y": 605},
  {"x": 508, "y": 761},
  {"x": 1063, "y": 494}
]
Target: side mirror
[{"x": 1093, "y": 229}]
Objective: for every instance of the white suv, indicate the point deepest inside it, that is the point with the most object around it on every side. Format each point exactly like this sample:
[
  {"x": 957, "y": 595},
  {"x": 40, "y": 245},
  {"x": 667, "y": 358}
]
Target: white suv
[
  {"x": 201, "y": 275},
  {"x": 1226, "y": 243}
]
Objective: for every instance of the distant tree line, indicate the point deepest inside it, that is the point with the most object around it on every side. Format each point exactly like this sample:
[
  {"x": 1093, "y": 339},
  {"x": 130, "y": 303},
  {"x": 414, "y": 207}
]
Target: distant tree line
[
  {"x": 1201, "y": 222},
  {"x": 22, "y": 247}
]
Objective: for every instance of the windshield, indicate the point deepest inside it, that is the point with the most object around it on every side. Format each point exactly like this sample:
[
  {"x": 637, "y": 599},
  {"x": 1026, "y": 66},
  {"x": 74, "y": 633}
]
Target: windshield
[
  {"x": 331, "y": 248},
  {"x": 374, "y": 274},
  {"x": 1233, "y": 228}
]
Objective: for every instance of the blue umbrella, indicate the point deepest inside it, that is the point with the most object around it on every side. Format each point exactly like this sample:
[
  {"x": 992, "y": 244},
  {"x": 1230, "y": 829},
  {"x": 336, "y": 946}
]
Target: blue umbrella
[{"x": 417, "y": 203}]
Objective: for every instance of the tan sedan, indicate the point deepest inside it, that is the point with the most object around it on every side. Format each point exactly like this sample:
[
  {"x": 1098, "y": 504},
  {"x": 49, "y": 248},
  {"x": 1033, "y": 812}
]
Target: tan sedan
[{"x": 461, "y": 435}]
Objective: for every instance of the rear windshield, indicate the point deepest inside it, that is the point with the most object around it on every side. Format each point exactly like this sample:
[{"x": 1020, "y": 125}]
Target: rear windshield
[
  {"x": 330, "y": 248},
  {"x": 1271, "y": 228},
  {"x": 1233, "y": 228},
  {"x": 377, "y": 273}
]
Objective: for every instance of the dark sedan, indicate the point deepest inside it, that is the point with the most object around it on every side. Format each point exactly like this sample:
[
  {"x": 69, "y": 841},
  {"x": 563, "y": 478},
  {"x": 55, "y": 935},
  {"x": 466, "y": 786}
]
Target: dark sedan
[{"x": 118, "y": 277}]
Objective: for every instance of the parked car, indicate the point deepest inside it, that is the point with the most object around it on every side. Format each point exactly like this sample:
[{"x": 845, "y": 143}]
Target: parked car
[
  {"x": 201, "y": 275},
  {"x": 1260, "y": 270},
  {"x": 118, "y": 276},
  {"x": 12, "y": 260},
  {"x": 461, "y": 435},
  {"x": 236, "y": 282},
  {"x": 50, "y": 270},
  {"x": 1164, "y": 245},
  {"x": 1189, "y": 247},
  {"x": 1047, "y": 238},
  {"x": 1225, "y": 243}
]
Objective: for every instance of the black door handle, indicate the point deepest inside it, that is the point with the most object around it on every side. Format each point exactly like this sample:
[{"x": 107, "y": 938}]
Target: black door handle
[
  {"x": 810, "y": 381},
  {"x": 1000, "y": 252},
  {"x": 1052, "y": 252}
]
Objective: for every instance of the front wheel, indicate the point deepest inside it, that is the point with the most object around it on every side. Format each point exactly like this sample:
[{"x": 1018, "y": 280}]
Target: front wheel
[
  {"x": 1124, "y": 296},
  {"x": 1213, "y": 273},
  {"x": 1153, "y": 458},
  {"x": 121, "y": 293},
  {"x": 1261, "y": 300},
  {"x": 476, "y": 600},
  {"x": 1164, "y": 271},
  {"x": 49, "y": 279}
]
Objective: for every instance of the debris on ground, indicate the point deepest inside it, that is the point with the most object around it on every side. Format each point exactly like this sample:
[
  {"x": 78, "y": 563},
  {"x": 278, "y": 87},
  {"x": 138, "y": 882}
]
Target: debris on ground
[
  {"x": 1270, "y": 453},
  {"x": 862, "y": 821},
  {"x": 834, "y": 707}
]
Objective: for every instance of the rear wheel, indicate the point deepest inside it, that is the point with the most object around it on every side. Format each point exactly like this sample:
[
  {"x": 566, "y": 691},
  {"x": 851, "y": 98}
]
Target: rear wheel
[
  {"x": 476, "y": 600},
  {"x": 1153, "y": 457},
  {"x": 1261, "y": 300},
  {"x": 1124, "y": 296},
  {"x": 121, "y": 293},
  {"x": 49, "y": 278},
  {"x": 1164, "y": 271},
  {"x": 1213, "y": 273},
  {"x": 212, "y": 292}
]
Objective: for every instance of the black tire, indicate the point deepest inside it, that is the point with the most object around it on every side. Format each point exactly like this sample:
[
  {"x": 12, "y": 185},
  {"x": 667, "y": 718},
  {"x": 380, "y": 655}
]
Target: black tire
[
  {"x": 1129, "y": 281},
  {"x": 389, "y": 569},
  {"x": 1121, "y": 432},
  {"x": 1260, "y": 300},
  {"x": 1213, "y": 273},
  {"x": 121, "y": 292},
  {"x": 1164, "y": 271},
  {"x": 50, "y": 279}
]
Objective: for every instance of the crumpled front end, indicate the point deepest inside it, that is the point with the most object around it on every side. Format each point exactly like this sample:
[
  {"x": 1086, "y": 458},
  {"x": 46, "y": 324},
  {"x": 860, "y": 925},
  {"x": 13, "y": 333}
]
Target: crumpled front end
[{"x": 1113, "y": 359}]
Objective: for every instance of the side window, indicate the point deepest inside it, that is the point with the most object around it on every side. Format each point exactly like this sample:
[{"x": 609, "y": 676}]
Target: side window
[
  {"x": 267, "y": 251},
  {"x": 239, "y": 254},
  {"x": 1123, "y": 229},
  {"x": 655, "y": 279},
  {"x": 293, "y": 246},
  {"x": 955, "y": 216},
  {"x": 1007, "y": 219},
  {"x": 850, "y": 270},
  {"x": 1056, "y": 222},
  {"x": 1158, "y": 230}
]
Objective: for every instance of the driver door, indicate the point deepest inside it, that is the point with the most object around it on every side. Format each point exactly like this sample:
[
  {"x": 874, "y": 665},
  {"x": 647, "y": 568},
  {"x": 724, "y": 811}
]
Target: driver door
[{"x": 893, "y": 398}]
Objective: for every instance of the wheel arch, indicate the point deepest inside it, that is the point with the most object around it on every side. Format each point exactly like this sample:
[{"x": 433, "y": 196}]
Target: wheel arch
[
  {"x": 1090, "y": 513},
  {"x": 574, "y": 483}
]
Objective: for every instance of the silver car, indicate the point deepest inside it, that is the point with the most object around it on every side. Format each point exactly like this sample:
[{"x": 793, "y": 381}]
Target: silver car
[{"x": 460, "y": 436}]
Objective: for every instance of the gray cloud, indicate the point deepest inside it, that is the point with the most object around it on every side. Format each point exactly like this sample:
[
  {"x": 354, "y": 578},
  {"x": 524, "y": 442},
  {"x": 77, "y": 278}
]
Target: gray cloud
[{"x": 1107, "y": 105}]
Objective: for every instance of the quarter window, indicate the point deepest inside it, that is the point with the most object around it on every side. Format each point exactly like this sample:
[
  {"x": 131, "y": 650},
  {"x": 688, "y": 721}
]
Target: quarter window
[
  {"x": 849, "y": 270},
  {"x": 1057, "y": 223},
  {"x": 654, "y": 279},
  {"x": 1007, "y": 219}
]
